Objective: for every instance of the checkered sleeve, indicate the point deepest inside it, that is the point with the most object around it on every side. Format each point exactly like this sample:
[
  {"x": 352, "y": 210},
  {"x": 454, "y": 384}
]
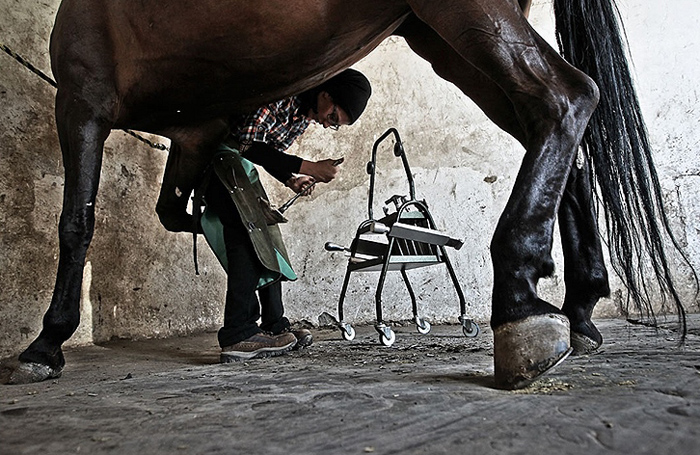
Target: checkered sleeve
[
  {"x": 256, "y": 126},
  {"x": 265, "y": 134}
]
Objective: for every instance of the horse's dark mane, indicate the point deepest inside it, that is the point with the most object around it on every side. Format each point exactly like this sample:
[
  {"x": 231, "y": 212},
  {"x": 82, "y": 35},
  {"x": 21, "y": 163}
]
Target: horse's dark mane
[{"x": 618, "y": 149}]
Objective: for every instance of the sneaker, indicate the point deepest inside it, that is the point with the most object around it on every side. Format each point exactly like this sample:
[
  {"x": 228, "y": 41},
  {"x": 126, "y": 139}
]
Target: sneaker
[
  {"x": 257, "y": 346},
  {"x": 303, "y": 336}
]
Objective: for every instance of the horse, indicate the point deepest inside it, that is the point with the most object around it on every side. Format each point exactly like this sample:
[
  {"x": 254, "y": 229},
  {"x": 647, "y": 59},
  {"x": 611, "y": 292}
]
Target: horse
[{"x": 181, "y": 69}]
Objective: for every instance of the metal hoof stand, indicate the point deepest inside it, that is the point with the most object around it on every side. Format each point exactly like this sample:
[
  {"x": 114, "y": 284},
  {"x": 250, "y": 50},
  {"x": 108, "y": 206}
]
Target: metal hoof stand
[{"x": 405, "y": 238}]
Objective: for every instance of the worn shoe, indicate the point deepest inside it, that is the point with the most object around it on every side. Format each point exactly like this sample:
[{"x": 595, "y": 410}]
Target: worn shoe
[
  {"x": 303, "y": 336},
  {"x": 257, "y": 346}
]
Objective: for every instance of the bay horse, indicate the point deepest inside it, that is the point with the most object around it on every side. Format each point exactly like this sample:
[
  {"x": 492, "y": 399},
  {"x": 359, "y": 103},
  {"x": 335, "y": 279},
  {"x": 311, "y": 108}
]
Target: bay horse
[{"x": 181, "y": 69}]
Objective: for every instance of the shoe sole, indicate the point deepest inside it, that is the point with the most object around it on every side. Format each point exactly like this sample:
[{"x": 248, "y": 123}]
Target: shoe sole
[{"x": 238, "y": 356}]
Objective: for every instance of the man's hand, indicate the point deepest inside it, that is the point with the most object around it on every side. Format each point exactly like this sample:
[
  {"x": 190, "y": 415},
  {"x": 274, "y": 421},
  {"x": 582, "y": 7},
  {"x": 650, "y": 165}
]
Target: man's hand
[
  {"x": 301, "y": 184},
  {"x": 323, "y": 171}
]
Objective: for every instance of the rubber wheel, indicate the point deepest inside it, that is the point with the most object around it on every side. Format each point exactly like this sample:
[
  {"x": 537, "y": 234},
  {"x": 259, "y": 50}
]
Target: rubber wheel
[
  {"x": 423, "y": 327},
  {"x": 387, "y": 341},
  {"x": 471, "y": 331},
  {"x": 348, "y": 332}
]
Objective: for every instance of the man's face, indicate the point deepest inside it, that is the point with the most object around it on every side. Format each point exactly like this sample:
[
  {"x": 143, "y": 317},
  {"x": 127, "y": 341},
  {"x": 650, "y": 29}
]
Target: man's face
[{"x": 328, "y": 114}]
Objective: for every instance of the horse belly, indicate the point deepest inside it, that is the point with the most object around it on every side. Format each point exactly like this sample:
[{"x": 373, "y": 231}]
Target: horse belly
[{"x": 208, "y": 57}]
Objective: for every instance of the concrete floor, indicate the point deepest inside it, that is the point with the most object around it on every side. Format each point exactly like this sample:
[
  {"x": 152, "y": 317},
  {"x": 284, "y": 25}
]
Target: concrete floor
[{"x": 427, "y": 394}]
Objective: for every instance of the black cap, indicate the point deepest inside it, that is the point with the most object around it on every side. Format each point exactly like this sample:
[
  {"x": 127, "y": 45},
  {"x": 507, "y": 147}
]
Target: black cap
[{"x": 350, "y": 90}]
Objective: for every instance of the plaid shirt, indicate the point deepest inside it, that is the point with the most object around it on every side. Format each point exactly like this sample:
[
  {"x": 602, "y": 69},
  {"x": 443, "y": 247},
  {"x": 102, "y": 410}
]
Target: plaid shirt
[{"x": 277, "y": 124}]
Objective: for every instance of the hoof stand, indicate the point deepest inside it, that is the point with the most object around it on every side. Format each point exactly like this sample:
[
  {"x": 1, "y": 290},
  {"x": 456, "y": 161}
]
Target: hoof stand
[{"x": 524, "y": 350}]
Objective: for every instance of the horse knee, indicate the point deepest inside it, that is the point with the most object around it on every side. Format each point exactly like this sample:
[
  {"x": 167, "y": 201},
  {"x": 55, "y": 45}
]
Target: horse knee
[
  {"x": 562, "y": 109},
  {"x": 581, "y": 97}
]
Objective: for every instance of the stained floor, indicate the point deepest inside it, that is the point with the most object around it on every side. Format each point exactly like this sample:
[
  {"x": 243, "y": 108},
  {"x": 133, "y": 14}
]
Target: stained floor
[{"x": 427, "y": 394}]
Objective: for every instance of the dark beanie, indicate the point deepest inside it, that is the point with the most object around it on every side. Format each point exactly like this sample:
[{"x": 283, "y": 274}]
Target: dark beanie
[{"x": 350, "y": 90}]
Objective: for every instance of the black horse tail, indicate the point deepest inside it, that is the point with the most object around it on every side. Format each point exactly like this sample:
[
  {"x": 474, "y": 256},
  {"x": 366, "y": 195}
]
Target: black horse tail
[{"x": 616, "y": 143}]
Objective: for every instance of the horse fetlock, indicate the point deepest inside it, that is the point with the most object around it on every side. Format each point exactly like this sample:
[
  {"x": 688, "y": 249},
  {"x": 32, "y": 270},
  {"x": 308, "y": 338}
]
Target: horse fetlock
[
  {"x": 526, "y": 253},
  {"x": 580, "y": 301},
  {"x": 526, "y": 349},
  {"x": 515, "y": 283},
  {"x": 587, "y": 285},
  {"x": 512, "y": 308},
  {"x": 44, "y": 352}
]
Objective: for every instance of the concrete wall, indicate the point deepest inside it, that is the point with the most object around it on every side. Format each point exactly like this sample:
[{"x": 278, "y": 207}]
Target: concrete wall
[{"x": 140, "y": 281}]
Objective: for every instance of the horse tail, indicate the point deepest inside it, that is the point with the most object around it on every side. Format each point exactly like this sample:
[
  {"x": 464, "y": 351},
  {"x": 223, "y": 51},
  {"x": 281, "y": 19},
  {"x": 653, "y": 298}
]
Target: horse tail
[{"x": 616, "y": 143}]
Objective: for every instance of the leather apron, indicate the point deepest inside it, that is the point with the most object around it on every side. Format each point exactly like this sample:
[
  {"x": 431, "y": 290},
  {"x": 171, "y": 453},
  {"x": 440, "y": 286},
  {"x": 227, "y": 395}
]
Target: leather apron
[{"x": 241, "y": 180}]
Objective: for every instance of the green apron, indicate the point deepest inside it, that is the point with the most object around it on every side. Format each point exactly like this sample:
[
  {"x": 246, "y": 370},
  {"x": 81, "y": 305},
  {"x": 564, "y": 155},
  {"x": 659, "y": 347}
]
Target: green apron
[{"x": 241, "y": 179}]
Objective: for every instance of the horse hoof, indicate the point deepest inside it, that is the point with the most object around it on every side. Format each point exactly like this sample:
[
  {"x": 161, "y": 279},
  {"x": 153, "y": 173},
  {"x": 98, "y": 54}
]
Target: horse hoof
[
  {"x": 524, "y": 350},
  {"x": 582, "y": 344},
  {"x": 27, "y": 373}
]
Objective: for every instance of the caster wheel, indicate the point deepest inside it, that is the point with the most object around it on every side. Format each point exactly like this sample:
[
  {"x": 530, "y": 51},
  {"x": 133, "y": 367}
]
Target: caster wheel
[
  {"x": 348, "y": 332},
  {"x": 470, "y": 329},
  {"x": 387, "y": 337},
  {"x": 422, "y": 326}
]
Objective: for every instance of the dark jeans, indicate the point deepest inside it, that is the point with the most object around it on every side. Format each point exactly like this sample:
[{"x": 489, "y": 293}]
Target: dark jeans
[{"x": 243, "y": 309}]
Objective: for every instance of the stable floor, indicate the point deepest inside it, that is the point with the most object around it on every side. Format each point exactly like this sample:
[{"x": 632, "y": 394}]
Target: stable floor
[{"x": 427, "y": 394}]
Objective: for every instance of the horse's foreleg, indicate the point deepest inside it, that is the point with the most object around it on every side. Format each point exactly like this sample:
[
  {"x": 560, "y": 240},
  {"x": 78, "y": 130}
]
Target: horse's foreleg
[
  {"x": 585, "y": 274},
  {"x": 81, "y": 136},
  {"x": 552, "y": 103},
  {"x": 174, "y": 194},
  {"x": 191, "y": 151}
]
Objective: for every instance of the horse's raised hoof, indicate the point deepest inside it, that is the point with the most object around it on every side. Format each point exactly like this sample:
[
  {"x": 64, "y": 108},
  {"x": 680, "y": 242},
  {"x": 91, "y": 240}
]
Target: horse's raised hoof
[
  {"x": 585, "y": 336},
  {"x": 29, "y": 372},
  {"x": 583, "y": 344},
  {"x": 524, "y": 350}
]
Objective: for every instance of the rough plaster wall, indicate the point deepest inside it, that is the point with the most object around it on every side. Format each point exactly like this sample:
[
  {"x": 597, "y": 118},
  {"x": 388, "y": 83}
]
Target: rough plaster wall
[
  {"x": 139, "y": 280},
  {"x": 451, "y": 148},
  {"x": 29, "y": 194}
]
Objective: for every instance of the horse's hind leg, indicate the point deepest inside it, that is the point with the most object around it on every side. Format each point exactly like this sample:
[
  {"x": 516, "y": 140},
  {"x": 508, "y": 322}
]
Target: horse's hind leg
[
  {"x": 585, "y": 274},
  {"x": 81, "y": 136},
  {"x": 552, "y": 102}
]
